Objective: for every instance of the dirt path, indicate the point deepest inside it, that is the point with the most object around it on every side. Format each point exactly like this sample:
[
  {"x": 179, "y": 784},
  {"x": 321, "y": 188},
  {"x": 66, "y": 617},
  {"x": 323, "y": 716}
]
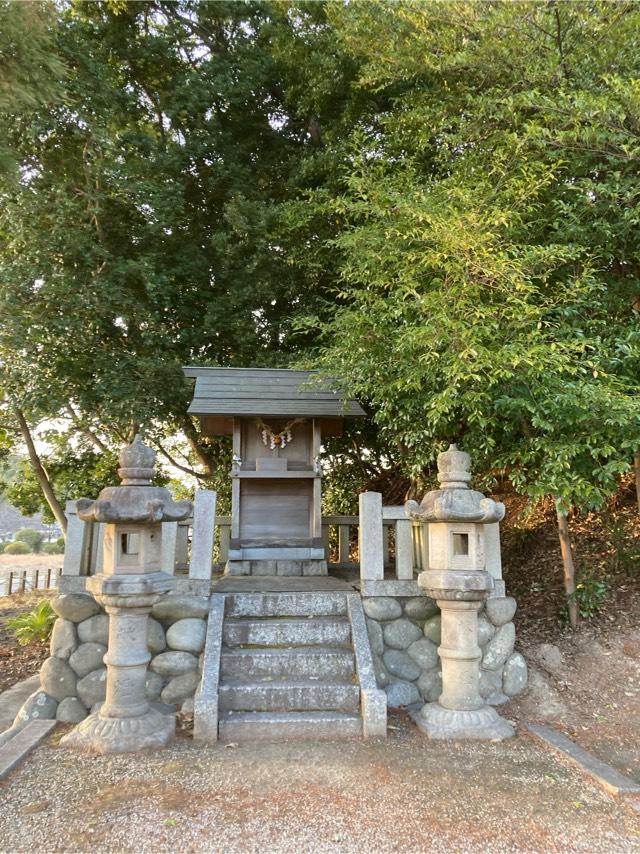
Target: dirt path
[
  {"x": 587, "y": 686},
  {"x": 406, "y": 794}
]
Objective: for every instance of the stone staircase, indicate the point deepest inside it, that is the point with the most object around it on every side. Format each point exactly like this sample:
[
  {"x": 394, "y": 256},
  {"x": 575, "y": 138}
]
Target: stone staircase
[{"x": 292, "y": 666}]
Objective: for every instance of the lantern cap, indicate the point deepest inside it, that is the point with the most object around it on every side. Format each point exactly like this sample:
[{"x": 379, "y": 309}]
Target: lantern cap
[
  {"x": 136, "y": 501},
  {"x": 454, "y": 501}
]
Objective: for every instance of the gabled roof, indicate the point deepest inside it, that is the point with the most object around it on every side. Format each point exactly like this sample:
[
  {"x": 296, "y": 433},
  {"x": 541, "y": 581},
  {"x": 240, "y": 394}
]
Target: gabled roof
[{"x": 266, "y": 391}]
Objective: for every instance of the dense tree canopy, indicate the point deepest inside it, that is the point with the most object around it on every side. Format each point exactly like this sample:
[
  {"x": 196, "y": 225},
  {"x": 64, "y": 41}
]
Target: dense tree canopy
[
  {"x": 491, "y": 244},
  {"x": 437, "y": 202}
]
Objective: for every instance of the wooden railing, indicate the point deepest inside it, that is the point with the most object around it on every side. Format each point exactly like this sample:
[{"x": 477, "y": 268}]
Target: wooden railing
[{"x": 24, "y": 580}]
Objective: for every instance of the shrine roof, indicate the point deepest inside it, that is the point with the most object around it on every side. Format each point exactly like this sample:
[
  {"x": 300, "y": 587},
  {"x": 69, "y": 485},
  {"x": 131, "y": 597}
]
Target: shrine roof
[{"x": 267, "y": 391}]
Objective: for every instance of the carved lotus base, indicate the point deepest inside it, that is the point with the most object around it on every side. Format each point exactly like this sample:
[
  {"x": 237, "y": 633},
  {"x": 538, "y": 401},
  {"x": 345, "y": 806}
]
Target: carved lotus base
[
  {"x": 96, "y": 734},
  {"x": 483, "y": 723}
]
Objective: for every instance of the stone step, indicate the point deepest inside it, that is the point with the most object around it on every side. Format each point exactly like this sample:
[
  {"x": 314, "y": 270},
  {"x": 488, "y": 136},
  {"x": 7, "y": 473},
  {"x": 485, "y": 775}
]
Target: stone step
[
  {"x": 322, "y": 662},
  {"x": 317, "y": 631},
  {"x": 285, "y": 604},
  {"x": 285, "y": 726},
  {"x": 303, "y": 695}
]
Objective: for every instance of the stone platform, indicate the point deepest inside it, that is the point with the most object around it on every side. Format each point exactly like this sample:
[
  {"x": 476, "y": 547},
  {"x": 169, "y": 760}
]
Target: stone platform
[{"x": 280, "y": 584}]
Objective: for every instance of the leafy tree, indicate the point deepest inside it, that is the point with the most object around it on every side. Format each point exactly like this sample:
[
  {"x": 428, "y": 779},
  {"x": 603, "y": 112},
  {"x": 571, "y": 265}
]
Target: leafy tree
[
  {"x": 31, "y": 538},
  {"x": 490, "y": 260},
  {"x": 160, "y": 216}
]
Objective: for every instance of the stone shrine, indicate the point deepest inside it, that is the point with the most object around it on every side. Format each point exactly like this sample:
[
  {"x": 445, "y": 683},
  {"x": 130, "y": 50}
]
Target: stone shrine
[
  {"x": 277, "y": 419},
  {"x": 295, "y": 640}
]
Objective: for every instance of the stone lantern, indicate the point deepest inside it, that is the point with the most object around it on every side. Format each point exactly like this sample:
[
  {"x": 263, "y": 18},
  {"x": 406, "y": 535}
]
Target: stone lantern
[
  {"x": 130, "y": 584},
  {"x": 458, "y": 581}
]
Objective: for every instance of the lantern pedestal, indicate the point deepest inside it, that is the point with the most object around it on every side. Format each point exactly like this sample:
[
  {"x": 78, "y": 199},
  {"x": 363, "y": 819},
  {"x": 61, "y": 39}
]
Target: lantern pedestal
[
  {"x": 125, "y": 722},
  {"x": 458, "y": 581},
  {"x": 460, "y": 711},
  {"x": 129, "y": 587}
]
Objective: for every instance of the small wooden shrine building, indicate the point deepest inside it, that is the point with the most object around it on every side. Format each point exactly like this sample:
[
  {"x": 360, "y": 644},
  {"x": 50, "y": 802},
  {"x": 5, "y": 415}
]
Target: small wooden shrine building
[{"x": 277, "y": 419}]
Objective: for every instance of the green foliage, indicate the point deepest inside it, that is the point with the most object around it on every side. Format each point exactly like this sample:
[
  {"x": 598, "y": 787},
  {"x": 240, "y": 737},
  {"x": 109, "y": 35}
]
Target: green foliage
[
  {"x": 489, "y": 254},
  {"x": 34, "y": 626},
  {"x": 31, "y": 537},
  {"x": 73, "y": 473},
  {"x": 17, "y": 548},
  {"x": 56, "y": 548},
  {"x": 590, "y": 594},
  {"x": 2, "y": 547},
  {"x": 31, "y": 69},
  {"x": 147, "y": 232}
]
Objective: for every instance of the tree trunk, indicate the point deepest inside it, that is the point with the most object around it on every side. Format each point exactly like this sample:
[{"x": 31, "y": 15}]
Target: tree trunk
[
  {"x": 568, "y": 566},
  {"x": 192, "y": 437},
  {"x": 40, "y": 473},
  {"x": 636, "y": 468}
]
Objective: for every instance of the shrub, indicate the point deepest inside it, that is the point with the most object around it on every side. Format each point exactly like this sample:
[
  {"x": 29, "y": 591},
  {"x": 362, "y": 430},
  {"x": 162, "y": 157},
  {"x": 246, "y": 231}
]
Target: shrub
[
  {"x": 35, "y": 626},
  {"x": 32, "y": 538},
  {"x": 17, "y": 548},
  {"x": 2, "y": 547},
  {"x": 54, "y": 548},
  {"x": 591, "y": 593}
]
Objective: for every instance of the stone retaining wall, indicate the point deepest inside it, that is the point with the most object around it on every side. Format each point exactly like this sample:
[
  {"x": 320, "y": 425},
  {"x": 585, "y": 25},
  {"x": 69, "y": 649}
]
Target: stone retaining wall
[
  {"x": 405, "y": 633},
  {"x": 73, "y": 679}
]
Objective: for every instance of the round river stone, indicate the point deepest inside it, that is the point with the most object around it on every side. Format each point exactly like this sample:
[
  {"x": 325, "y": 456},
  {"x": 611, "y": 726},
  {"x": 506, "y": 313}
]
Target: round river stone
[
  {"x": 180, "y": 687},
  {"x": 156, "y": 640},
  {"x": 94, "y": 630},
  {"x": 57, "y": 679},
  {"x": 153, "y": 685},
  {"x": 382, "y": 677},
  {"x": 39, "y": 706},
  {"x": 174, "y": 663},
  {"x": 399, "y": 664},
  {"x": 430, "y": 685},
  {"x": 401, "y": 633},
  {"x": 64, "y": 638},
  {"x": 173, "y": 608},
  {"x": 382, "y": 608},
  {"x": 499, "y": 648},
  {"x": 75, "y": 606},
  {"x": 501, "y": 609},
  {"x": 433, "y": 628},
  {"x": 71, "y": 711},
  {"x": 486, "y": 630},
  {"x": 514, "y": 675},
  {"x": 425, "y": 653},
  {"x": 92, "y": 688},
  {"x": 187, "y": 635},
  {"x": 420, "y": 608},
  {"x": 87, "y": 657},
  {"x": 401, "y": 694},
  {"x": 491, "y": 686},
  {"x": 374, "y": 630}
]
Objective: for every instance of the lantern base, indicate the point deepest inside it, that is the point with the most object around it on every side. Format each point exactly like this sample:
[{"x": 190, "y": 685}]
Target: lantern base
[
  {"x": 96, "y": 734},
  {"x": 483, "y": 723}
]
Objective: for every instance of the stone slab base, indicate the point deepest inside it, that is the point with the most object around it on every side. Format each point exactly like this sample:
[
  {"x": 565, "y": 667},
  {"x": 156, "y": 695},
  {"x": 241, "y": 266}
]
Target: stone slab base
[
  {"x": 604, "y": 775},
  {"x": 483, "y": 723},
  {"x": 22, "y": 743},
  {"x": 290, "y": 568},
  {"x": 96, "y": 734}
]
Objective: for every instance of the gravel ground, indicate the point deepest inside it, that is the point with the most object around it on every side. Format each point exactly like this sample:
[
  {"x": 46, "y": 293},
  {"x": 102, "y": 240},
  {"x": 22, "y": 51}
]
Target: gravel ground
[{"x": 405, "y": 794}]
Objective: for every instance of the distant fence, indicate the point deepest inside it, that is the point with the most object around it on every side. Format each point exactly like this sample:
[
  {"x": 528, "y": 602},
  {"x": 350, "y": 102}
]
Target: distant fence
[{"x": 24, "y": 580}]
